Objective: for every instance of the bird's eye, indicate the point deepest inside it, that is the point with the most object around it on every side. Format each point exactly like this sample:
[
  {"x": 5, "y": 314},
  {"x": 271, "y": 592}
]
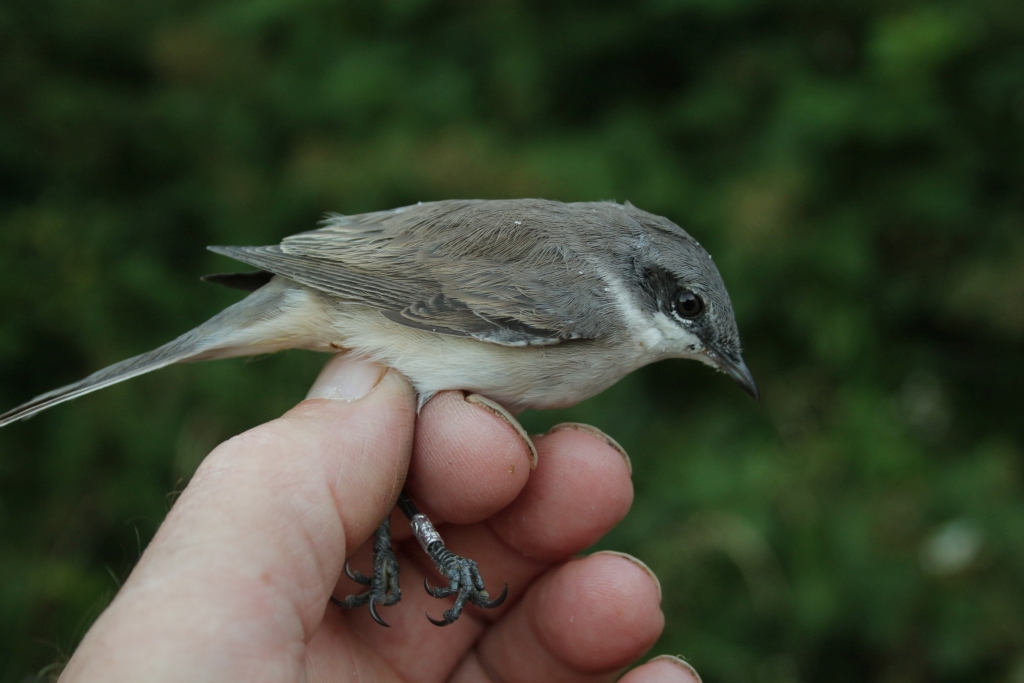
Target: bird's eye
[{"x": 689, "y": 305}]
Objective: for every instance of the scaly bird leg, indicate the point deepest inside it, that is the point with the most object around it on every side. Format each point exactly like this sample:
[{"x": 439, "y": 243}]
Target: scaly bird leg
[{"x": 464, "y": 580}]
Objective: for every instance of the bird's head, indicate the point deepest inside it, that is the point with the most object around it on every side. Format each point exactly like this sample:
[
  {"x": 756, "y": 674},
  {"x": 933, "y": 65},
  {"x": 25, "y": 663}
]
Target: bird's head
[{"x": 685, "y": 307}]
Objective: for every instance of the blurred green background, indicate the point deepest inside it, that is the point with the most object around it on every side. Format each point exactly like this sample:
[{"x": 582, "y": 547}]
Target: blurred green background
[{"x": 856, "y": 168}]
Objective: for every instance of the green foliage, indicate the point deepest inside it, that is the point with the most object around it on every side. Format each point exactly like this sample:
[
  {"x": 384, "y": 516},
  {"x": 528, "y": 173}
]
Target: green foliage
[{"x": 855, "y": 167}]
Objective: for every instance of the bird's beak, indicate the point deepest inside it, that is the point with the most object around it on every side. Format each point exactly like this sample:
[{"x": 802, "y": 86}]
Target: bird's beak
[{"x": 736, "y": 369}]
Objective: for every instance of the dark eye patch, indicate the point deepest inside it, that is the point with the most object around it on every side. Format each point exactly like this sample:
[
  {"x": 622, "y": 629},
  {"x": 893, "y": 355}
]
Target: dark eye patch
[{"x": 660, "y": 288}]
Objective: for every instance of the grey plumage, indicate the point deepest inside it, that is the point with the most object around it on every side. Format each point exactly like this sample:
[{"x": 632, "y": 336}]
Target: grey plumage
[
  {"x": 483, "y": 269},
  {"x": 594, "y": 285}
]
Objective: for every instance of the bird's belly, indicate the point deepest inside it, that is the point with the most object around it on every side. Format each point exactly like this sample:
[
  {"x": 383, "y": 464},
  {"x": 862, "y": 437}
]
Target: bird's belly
[{"x": 516, "y": 376}]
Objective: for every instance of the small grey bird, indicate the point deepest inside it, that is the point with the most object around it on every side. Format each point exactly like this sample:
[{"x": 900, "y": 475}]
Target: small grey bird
[{"x": 532, "y": 303}]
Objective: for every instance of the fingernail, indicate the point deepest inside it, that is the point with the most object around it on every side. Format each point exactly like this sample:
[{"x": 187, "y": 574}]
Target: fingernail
[
  {"x": 579, "y": 427},
  {"x": 346, "y": 378},
  {"x": 680, "y": 662},
  {"x": 498, "y": 410},
  {"x": 639, "y": 563}
]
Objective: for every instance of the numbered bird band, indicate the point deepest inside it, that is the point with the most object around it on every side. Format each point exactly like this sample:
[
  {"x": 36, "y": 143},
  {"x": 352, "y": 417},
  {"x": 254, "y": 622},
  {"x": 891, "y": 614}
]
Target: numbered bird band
[{"x": 424, "y": 531}]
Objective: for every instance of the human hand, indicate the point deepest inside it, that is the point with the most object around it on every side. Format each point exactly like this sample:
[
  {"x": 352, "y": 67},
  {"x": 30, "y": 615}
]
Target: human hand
[{"x": 235, "y": 584}]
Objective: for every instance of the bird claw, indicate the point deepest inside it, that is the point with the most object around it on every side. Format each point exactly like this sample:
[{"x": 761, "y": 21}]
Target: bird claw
[
  {"x": 383, "y": 585},
  {"x": 439, "y": 622},
  {"x": 356, "y": 576},
  {"x": 496, "y": 602},
  {"x": 464, "y": 581},
  {"x": 376, "y": 617}
]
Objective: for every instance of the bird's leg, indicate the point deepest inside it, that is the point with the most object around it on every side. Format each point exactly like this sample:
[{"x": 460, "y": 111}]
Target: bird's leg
[
  {"x": 464, "y": 580},
  {"x": 383, "y": 584}
]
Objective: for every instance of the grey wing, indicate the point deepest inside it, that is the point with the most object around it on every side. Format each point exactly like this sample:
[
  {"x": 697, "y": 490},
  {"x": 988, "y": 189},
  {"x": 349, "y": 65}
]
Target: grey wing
[
  {"x": 413, "y": 267},
  {"x": 420, "y": 303}
]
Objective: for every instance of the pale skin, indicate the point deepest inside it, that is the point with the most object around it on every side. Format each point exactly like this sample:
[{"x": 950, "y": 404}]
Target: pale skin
[{"x": 235, "y": 585}]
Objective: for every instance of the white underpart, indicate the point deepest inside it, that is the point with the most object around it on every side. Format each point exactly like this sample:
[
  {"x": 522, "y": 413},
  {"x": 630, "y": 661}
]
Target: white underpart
[{"x": 515, "y": 376}]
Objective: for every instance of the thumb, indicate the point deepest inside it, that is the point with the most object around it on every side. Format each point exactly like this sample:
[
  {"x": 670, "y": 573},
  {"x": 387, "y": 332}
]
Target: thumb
[{"x": 256, "y": 542}]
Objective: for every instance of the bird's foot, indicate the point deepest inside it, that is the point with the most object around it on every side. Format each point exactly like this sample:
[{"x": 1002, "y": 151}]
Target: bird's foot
[
  {"x": 383, "y": 585},
  {"x": 464, "y": 580}
]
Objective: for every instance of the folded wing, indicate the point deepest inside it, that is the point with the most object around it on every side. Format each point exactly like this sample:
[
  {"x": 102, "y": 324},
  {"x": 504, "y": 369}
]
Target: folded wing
[{"x": 487, "y": 270}]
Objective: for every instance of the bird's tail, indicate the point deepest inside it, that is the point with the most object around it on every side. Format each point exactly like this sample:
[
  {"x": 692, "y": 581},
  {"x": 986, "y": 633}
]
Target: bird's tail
[{"x": 257, "y": 324}]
